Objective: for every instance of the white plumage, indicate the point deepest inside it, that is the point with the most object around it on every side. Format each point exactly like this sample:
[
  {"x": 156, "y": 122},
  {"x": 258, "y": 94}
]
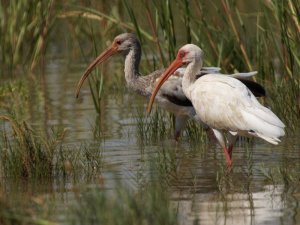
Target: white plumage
[
  {"x": 171, "y": 96},
  {"x": 223, "y": 103}
]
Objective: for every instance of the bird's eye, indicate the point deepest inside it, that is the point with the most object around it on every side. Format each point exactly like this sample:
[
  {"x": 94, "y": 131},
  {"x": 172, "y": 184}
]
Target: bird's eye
[
  {"x": 118, "y": 42},
  {"x": 181, "y": 54}
]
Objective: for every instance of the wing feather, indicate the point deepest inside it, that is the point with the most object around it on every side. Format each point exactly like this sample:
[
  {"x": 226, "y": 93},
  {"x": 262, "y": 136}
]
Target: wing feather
[{"x": 230, "y": 105}]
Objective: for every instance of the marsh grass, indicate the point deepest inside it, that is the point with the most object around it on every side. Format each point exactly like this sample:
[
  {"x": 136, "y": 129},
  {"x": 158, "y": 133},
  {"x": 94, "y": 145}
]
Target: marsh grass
[
  {"x": 150, "y": 203},
  {"x": 154, "y": 127},
  {"x": 84, "y": 162},
  {"x": 285, "y": 101},
  {"x": 23, "y": 31},
  {"x": 96, "y": 87},
  {"x": 96, "y": 82},
  {"x": 285, "y": 173},
  {"x": 197, "y": 133},
  {"x": 14, "y": 97},
  {"x": 25, "y": 153},
  {"x": 33, "y": 210},
  {"x": 263, "y": 37},
  {"x": 148, "y": 206}
]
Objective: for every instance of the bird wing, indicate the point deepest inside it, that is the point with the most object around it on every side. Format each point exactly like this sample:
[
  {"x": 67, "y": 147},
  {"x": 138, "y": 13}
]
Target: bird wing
[
  {"x": 204, "y": 70},
  {"x": 230, "y": 105},
  {"x": 172, "y": 88},
  {"x": 243, "y": 75},
  {"x": 215, "y": 101},
  {"x": 256, "y": 89}
]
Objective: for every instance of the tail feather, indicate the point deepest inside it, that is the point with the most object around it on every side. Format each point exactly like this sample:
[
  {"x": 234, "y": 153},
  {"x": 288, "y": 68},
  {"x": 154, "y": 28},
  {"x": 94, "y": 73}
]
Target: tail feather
[
  {"x": 243, "y": 75},
  {"x": 265, "y": 125},
  {"x": 271, "y": 140},
  {"x": 268, "y": 116}
]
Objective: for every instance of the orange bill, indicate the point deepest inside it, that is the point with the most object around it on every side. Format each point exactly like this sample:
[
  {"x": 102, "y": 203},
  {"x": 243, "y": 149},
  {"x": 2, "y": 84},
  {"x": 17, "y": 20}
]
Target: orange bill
[
  {"x": 169, "y": 71},
  {"x": 101, "y": 58}
]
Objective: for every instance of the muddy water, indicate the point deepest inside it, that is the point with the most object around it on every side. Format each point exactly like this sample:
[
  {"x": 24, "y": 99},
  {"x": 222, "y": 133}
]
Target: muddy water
[{"x": 202, "y": 189}]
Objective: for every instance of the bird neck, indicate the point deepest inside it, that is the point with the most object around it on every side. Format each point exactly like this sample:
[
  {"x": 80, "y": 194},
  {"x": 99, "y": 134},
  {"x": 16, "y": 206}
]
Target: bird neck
[
  {"x": 132, "y": 62},
  {"x": 189, "y": 77}
]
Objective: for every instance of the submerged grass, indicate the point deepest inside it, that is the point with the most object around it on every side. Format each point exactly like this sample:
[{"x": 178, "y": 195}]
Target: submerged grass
[
  {"x": 26, "y": 154},
  {"x": 148, "y": 203},
  {"x": 153, "y": 128},
  {"x": 30, "y": 151},
  {"x": 197, "y": 133},
  {"x": 285, "y": 173}
]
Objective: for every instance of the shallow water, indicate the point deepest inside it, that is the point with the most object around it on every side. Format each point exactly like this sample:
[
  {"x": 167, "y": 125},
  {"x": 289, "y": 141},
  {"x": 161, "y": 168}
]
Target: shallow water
[{"x": 201, "y": 187}]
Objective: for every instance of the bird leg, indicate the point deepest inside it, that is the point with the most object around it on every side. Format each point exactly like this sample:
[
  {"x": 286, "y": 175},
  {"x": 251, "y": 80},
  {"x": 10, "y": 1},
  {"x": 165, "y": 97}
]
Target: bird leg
[
  {"x": 230, "y": 150},
  {"x": 180, "y": 123},
  {"x": 221, "y": 139},
  {"x": 231, "y": 139},
  {"x": 227, "y": 153},
  {"x": 177, "y": 136}
]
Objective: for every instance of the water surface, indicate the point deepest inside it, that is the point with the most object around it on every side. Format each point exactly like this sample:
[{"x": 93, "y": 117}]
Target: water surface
[{"x": 202, "y": 189}]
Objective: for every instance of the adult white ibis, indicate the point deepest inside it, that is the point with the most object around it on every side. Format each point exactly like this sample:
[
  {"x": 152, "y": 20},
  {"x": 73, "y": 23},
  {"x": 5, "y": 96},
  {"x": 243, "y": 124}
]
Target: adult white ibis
[
  {"x": 171, "y": 96},
  {"x": 223, "y": 103}
]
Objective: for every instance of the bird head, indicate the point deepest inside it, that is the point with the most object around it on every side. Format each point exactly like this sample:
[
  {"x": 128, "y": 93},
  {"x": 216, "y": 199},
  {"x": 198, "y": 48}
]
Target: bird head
[
  {"x": 190, "y": 53},
  {"x": 122, "y": 43},
  {"x": 187, "y": 54}
]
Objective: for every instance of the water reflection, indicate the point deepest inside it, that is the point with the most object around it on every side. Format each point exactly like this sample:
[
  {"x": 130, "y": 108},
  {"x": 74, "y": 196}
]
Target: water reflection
[{"x": 265, "y": 207}]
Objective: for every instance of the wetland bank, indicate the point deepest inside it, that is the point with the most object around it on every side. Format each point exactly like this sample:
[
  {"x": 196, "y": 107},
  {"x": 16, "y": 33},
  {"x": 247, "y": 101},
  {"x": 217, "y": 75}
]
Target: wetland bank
[{"x": 100, "y": 159}]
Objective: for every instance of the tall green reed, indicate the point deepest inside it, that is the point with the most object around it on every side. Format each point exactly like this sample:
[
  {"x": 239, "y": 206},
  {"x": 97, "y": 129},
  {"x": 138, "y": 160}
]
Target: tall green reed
[
  {"x": 24, "y": 153},
  {"x": 154, "y": 128},
  {"x": 259, "y": 36},
  {"x": 96, "y": 84},
  {"x": 24, "y": 28}
]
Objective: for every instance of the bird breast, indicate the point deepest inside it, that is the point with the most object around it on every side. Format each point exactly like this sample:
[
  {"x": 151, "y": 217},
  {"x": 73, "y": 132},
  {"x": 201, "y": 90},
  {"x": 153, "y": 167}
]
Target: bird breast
[{"x": 219, "y": 101}]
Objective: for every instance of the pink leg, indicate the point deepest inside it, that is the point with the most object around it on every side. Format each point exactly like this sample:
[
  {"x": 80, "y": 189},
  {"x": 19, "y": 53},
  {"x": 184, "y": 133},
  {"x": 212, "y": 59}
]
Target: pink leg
[
  {"x": 231, "y": 141},
  {"x": 230, "y": 148},
  {"x": 227, "y": 153},
  {"x": 221, "y": 139}
]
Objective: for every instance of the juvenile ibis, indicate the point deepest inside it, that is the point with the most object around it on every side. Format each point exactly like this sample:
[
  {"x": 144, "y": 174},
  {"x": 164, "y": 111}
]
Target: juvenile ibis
[
  {"x": 225, "y": 104},
  {"x": 170, "y": 96}
]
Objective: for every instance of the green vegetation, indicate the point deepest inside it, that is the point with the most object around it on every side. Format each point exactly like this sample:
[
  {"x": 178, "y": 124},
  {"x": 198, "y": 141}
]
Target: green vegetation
[
  {"x": 24, "y": 28},
  {"x": 261, "y": 35},
  {"x": 28, "y": 155},
  {"x": 148, "y": 204},
  {"x": 153, "y": 129},
  {"x": 236, "y": 36}
]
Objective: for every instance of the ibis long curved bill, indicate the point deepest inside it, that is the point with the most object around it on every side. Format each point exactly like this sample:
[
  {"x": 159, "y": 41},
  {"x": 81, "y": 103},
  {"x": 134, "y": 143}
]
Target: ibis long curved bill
[
  {"x": 169, "y": 71},
  {"x": 101, "y": 58}
]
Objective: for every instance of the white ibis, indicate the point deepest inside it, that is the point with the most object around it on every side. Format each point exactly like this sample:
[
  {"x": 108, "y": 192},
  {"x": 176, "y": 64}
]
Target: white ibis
[
  {"x": 171, "y": 96},
  {"x": 223, "y": 103}
]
